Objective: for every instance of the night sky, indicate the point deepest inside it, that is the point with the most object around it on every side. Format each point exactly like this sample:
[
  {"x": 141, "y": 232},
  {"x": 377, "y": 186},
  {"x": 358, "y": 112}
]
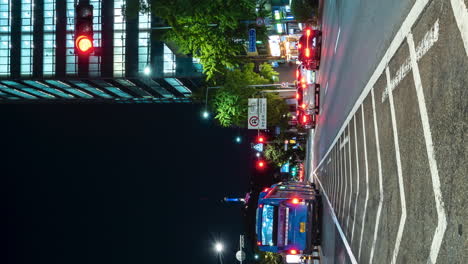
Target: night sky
[{"x": 117, "y": 184}]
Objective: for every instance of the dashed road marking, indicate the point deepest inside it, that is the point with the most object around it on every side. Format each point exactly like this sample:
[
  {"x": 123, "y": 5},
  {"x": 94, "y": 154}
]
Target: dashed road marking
[
  {"x": 379, "y": 164},
  {"x": 337, "y": 38},
  {"x": 350, "y": 180},
  {"x": 357, "y": 176},
  {"x": 335, "y": 220},
  {"x": 364, "y": 139},
  {"x": 441, "y": 217},
  {"x": 461, "y": 16},
  {"x": 401, "y": 226}
]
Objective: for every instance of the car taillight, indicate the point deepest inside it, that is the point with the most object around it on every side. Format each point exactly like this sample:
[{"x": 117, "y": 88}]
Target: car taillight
[
  {"x": 297, "y": 95},
  {"x": 293, "y": 252},
  {"x": 307, "y": 52},
  {"x": 304, "y": 106},
  {"x": 297, "y": 112},
  {"x": 297, "y": 74},
  {"x": 266, "y": 189},
  {"x": 259, "y": 243},
  {"x": 304, "y": 85},
  {"x": 299, "y": 46},
  {"x": 295, "y": 201},
  {"x": 308, "y": 32},
  {"x": 304, "y": 119}
]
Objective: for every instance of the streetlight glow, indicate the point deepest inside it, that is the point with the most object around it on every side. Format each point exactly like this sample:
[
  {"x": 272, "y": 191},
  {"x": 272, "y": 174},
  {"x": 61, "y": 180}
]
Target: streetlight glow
[
  {"x": 238, "y": 139},
  {"x": 219, "y": 247},
  {"x": 147, "y": 70},
  {"x": 206, "y": 114}
]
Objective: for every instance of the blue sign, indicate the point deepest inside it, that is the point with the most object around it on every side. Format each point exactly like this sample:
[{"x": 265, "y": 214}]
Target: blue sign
[
  {"x": 252, "y": 40},
  {"x": 258, "y": 147}
]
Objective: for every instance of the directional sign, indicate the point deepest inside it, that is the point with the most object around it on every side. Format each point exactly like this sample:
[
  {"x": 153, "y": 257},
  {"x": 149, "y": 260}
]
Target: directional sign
[{"x": 252, "y": 40}]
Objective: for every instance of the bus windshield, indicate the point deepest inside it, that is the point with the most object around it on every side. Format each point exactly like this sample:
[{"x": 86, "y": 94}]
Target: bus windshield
[{"x": 269, "y": 225}]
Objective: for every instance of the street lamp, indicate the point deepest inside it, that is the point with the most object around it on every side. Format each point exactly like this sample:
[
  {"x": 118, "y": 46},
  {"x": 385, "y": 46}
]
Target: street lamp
[
  {"x": 206, "y": 114},
  {"x": 238, "y": 139},
  {"x": 219, "y": 247}
]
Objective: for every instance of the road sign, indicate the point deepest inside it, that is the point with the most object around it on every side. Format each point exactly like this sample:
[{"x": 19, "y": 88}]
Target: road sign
[
  {"x": 262, "y": 113},
  {"x": 252, "y": 40},
  {"x": 258, "y": 147},
  {"x": 257, "y": 118},
  {"x": 259, "y": 21},
  {"x": 267, "y": 21}
]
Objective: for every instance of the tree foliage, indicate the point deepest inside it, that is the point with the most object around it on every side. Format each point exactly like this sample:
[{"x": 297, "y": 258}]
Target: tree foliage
[
  {"x": 210, "y": 30},
  {"x": 304, "y": 10},
  {"x": 230, "y": 102}
]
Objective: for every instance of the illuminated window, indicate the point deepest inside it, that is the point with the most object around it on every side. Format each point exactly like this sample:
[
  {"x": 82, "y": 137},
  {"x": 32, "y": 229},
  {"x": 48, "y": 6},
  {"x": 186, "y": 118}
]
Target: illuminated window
[
  {"x": 71, "y": 59},
  {"x": 49, "y": 37},
  {"x": 5, "y": 30},
  {"x": 27, "y": 46},
  {"x": 119, "y": 39},
  {"x": 144, "y": 28},
  {"x": 169, "y": 61}
]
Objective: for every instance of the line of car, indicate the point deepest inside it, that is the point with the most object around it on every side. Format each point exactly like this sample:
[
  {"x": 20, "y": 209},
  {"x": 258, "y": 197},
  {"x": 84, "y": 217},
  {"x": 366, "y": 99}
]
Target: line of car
[{"x": 307, "y": 89}]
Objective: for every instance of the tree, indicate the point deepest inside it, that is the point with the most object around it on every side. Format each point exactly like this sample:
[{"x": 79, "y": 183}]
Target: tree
[
  {"x": 230, "y": 102},
  {"x": 305, "y": 10},
  {"x": 210, "y": 30}
]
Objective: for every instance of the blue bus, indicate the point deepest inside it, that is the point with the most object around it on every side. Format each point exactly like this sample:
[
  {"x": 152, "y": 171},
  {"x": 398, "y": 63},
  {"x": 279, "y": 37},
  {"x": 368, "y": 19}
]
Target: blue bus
[{"x": 288, "y": 218}]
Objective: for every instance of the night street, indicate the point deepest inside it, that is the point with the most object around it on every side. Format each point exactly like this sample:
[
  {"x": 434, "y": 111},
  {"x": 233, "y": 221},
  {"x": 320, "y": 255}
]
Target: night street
[{"x": 390, "y": 147}]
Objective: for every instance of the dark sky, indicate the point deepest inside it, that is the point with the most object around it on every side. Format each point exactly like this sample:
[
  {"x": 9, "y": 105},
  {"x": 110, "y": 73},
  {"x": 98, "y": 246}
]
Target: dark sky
[{"x": 117, "y": 184}]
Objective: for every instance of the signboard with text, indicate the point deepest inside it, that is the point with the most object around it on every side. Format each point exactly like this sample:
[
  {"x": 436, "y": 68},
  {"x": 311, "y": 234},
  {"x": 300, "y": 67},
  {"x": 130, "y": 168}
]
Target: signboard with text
[{"x": 257, "y": 113}]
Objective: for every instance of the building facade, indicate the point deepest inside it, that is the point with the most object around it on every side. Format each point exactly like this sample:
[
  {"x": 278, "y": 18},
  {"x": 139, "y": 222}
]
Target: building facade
[{"x": 130, "y": 63}]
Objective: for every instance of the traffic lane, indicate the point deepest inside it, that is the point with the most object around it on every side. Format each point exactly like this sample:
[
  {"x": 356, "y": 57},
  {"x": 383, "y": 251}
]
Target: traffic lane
[
  {"x": 333, "y": 249},
  {"x": 444, "y": 78},
  {"x": 417, "y": 242},
  {"x": 365, "y": 29}
]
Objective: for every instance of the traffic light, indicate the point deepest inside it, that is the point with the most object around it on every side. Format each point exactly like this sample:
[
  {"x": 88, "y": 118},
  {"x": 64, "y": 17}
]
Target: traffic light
[
  {"x": 260, "y": 139},
  {"x": 261, "y": 164},
  {"x": 84, "y": 29}
]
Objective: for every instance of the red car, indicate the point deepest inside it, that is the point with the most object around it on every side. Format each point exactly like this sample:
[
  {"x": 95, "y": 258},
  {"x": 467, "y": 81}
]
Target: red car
[{"x": 309, "y": 48}]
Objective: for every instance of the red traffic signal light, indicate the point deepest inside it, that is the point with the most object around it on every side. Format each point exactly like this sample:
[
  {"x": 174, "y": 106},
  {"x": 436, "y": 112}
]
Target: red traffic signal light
[
  {"x": 84, "y": 29},
  {"x": 261, "y": 164},
  {"x": 261, "y": 139}
]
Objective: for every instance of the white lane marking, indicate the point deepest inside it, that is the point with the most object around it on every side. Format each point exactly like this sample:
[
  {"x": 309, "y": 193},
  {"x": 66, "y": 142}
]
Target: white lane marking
[
  {"x": 461, "y": 16},
  {"x": 346, "y": 180},
  {"x": 335, "y": 191},
  {"x": 379, "y": 164},
  {"x": 400, "y": 36},
  {"x": 441, "y": 217},
  {"x": 350, "y": 180},
  {"x": 329, "y": 160},
  {"x": 341, "y": 183},
  {"x": 357, "y": 176},
  {"x": 344, "y": 142},
  {"x": 364, "y": 139},
  {"x": 337, "y": 38},
  {"x": 401, "y": 186},
  {"x": 429, "y": 39},
  {"x": 326, "y": 89},
  {"x": 337, "y": 224}
]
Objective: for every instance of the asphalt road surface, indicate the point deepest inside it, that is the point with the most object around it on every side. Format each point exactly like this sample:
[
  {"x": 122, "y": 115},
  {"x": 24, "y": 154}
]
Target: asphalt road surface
[{"x": 390, "y": 148}]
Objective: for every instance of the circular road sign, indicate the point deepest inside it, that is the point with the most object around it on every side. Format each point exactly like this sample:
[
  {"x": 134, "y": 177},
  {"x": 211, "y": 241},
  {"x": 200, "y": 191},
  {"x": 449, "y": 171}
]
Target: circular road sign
[
  {"x": 253, "y": 121},
  {"x": 259, "y": 21}
]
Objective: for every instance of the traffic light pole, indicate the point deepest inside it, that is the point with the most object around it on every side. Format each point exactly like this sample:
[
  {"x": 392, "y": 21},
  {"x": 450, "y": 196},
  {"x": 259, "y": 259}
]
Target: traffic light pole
[{"x": 83, "y": 66}]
